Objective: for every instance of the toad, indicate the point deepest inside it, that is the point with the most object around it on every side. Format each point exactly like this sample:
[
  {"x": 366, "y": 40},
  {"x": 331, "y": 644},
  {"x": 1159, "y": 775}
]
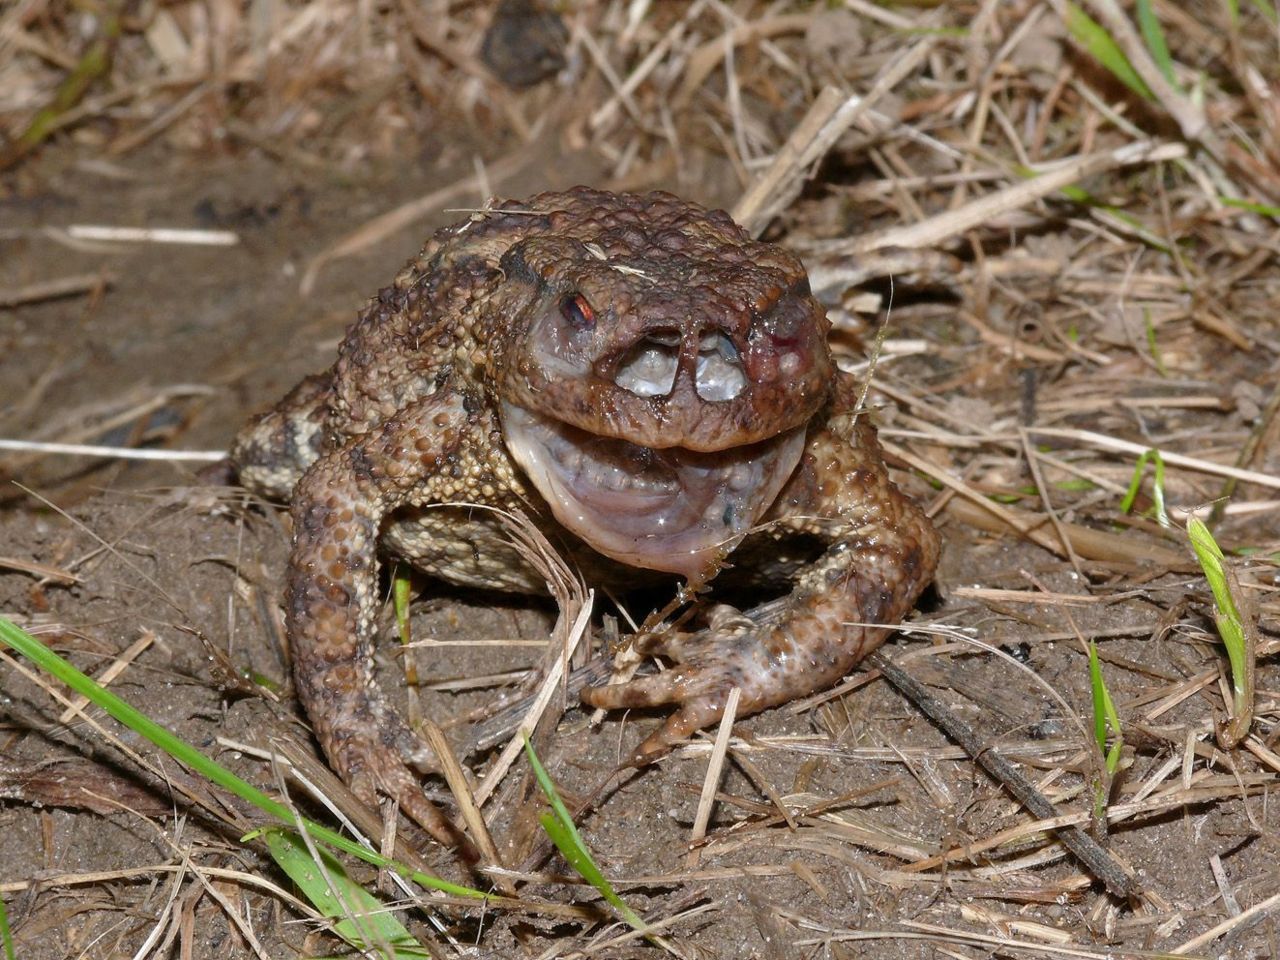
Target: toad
[{"x": 654, "y": 389}]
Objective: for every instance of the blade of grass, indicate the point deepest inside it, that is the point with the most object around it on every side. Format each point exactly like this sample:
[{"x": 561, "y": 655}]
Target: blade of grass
[
  {"x": 1212, "y": 562},
  {"x": 1124, "y": 220},
  {"x": 1104, "y": 716},
  {"x": 5, "y": 935},
  {"x": 1262, "y": 209},
  {"x": 93, "y": 64},
  {"x": 1099, "y": 695},
  {"x": 564, "y": 834},
  {"x": 359, "y": 917},
  {"x": 1100, "y": 45},
  {"x": 1153, "y": 346},
  {"x": 401, "y": 587},
  {"x": 1235, "y": 630},
  {"x": 1153, "y": 36},
  {"x": 1157, "y": 486},
  {"x": 183, "y": 752},
  {"x": 1104, "y": 712}
]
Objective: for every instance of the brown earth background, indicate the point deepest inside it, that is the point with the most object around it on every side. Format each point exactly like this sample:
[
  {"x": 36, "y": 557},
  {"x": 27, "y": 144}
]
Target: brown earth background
[{"x": 1070, "y": 264}]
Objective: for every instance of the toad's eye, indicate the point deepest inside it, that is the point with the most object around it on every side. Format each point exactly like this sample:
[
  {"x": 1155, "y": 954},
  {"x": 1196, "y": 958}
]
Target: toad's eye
[{"x": 578, "y": 311}]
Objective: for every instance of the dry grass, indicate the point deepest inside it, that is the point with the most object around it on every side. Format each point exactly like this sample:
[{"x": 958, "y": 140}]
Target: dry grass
[{"x": 1043, "y": 332}]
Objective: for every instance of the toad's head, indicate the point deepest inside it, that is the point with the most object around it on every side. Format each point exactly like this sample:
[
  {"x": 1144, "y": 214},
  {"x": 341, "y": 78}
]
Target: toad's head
[{"x": 657, "y": 373}]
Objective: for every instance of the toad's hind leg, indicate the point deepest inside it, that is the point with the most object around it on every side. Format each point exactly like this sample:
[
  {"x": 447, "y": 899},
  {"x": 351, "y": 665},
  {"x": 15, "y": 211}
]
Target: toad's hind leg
[{"x": 332, "y": 597}]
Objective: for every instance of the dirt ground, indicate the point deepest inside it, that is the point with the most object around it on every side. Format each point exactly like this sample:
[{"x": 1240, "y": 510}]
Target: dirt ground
[{"x": 1054, "y": 314}]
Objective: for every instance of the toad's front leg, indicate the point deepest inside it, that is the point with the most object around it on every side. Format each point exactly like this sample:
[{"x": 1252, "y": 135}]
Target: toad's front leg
[
  {"x": 332, "y": 594},
  {"x": 881, "y": 553}
]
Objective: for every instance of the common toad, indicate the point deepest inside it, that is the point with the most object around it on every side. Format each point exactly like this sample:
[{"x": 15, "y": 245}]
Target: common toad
[{"x": 654, "y": 389}]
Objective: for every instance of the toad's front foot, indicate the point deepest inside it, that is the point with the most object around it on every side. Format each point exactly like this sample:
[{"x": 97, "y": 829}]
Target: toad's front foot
[
  {"x": 331, "y": 606},
  {"x": 769, "y": 656},
  {"x": 700, "y": 692}
]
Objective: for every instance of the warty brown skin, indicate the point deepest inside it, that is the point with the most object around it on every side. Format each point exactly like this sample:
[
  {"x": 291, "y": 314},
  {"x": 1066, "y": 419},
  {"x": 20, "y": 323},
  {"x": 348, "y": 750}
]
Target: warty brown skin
[{"x": 642, "y": 319}]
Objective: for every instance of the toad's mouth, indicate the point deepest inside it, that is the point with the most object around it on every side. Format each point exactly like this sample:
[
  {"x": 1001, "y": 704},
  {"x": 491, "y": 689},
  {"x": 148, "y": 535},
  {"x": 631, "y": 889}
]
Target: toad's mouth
[{"x": 671, "y": 509}]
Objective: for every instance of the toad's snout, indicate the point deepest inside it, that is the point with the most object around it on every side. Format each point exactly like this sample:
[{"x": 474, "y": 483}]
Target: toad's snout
[{"x": 652, "y": 365}]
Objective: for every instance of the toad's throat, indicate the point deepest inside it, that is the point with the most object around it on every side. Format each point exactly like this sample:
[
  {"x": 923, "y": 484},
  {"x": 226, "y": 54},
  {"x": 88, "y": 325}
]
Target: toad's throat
[{"x": 672, "y": 509}]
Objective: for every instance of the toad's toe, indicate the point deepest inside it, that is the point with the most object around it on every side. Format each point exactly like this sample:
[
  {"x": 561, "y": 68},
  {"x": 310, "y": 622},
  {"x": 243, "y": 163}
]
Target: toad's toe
[
  {"x": 371, "y": 766},
  {"x": 700, "y": 689},
  {"x": 692, "y": 716}
]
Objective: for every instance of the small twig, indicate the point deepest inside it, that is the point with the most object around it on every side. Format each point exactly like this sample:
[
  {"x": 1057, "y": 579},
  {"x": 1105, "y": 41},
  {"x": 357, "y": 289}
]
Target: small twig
[
  {"x": 320, "y": 783},
  {"x": 609, "y": 109},
  {"x": 42, "y": 570},
  {"x": 1232, "y": 925},
  {"x": 56, "y": 289},
  {"x": 715, "y": 765},
  {"x": 953, "y": 223},
  {"x": 1042, "y": 490},
  {"x": 1100, "y": 863},
  {"x": 1115, "y": 444},
  {"x": 113, "y": 670},
  {"x": 828, "y": 118},
  {"x": 575, "y": 602},
  {"x": 158, "y": 124},
  {"x": 705, "y": 59},
  {"x": 112, "y": 453},
  {"x": 980, "y": 511},
  {"x": 463, "y": 795},
  {"x": 181, "y": 235},
  {"x": 1224, "y": 886}
]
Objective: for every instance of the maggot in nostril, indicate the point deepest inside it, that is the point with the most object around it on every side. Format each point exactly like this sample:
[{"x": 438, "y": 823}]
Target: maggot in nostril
[
  {"x": 649, "y": 368},
  {"x": 718, "y": 375}
]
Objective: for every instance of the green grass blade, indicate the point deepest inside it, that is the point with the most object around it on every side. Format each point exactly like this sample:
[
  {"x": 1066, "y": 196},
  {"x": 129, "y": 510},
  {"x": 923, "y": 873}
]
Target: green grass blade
[
  {"x": 184, "y": 753},
  {"x": 1230, "y": 624},
  {"x": 567, "y": 840},
  {"x": 1113, "y": 756},
  {"x": 400, "y": 588},
  {"x": 1104, "y": 716},
  {"x": 564, "y": 834},
  {"x": 1104, "y": 712},
  {"x": 94, "y": 64},
  {"x": 1099, "y": 693},
  {"x": 359, "y": 917},
  {"x": 5, "y": 935},
  {"x": 1153, "y": 36},
  {"x": 1091, "y": 35},
  {"x": 1157, "y": 486},
  {"x": 1153, "y": 346},
  {"x": 1262, "y": 209}
]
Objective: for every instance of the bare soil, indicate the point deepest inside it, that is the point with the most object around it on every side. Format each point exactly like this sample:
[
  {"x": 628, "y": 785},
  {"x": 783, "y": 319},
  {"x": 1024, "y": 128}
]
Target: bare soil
[{"x": 101, "y": 837}]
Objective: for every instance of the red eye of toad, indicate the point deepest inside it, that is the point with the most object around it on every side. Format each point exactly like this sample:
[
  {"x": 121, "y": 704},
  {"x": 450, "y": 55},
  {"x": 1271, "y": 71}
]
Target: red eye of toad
[{"x": 578, "y": 311}]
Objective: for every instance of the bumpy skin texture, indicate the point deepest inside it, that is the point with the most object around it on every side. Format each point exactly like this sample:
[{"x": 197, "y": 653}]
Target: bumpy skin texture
[{"x": 653, "y": 388}]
